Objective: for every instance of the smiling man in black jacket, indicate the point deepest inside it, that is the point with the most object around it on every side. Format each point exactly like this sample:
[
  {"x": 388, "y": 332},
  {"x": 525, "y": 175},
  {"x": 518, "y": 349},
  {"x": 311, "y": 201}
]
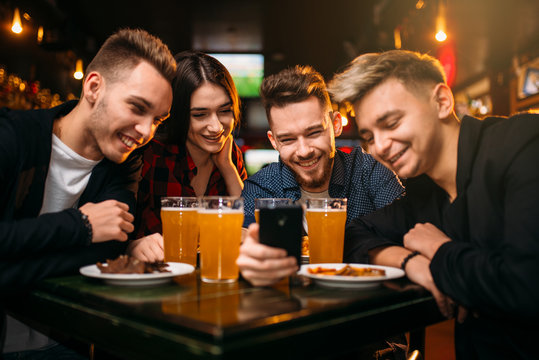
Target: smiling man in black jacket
[
  {"x": 67, "y": 183},
  {"x": 467, "y": 228}
]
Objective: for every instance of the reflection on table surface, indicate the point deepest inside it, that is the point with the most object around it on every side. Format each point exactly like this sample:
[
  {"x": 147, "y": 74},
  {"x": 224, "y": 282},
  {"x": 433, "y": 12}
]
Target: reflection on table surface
[
  {"x": 187, "y": 299},
  {"x": 189, "y": 316},
  {"x": 228, "y": 304}
]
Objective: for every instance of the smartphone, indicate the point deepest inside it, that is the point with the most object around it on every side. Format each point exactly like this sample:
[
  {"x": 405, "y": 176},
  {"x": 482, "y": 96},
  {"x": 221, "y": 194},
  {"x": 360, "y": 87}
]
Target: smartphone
[{"x": 282, "y": 227}]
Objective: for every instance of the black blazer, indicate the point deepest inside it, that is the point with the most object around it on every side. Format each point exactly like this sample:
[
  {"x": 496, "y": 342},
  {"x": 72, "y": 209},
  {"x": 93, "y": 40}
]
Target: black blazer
[
  {"x": 492, "y": 265},
  {"x": 34, "y": 247}
]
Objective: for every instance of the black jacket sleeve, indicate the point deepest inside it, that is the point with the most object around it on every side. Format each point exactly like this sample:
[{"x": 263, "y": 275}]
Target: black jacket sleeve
[
  {"x": 48, "y": 232},
  {"x": 20, "y": 273},
  {"x": 387, "y": 226},
  {"x": 54, "y": 244}
]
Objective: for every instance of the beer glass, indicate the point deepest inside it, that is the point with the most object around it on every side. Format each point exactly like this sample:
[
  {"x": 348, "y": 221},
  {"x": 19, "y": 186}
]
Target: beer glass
[
  {"x": 220, "y": 219},
  {"x": 269, "y": 203},
  {"x": 326, "y": 219},
  {"x": 179, "y": 217}
]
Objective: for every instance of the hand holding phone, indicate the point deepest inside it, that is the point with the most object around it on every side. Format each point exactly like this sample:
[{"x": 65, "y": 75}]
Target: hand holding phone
[{"x": 282, "y": 227}]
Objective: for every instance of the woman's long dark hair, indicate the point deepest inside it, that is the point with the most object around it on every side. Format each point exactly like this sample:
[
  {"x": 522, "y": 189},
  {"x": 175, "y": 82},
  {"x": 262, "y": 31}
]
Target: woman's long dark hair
[{"x": 193, "y": 69}]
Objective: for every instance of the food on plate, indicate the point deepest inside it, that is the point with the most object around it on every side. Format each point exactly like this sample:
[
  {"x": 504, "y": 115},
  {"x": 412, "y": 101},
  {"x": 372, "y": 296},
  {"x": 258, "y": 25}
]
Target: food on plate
[
  {"x": 347, "y": 271},
  {"x": 305, "y": 246},
  {"x": 125, "y": 264}
]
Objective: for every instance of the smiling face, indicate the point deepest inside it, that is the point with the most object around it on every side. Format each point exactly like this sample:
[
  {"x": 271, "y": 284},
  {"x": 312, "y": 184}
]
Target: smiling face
[
  {"x": 303, "y": 133},
  {"x": 402, "y": 129},
  {"x": 127, "y": 112},
  {"x": 211, "y": 118}
]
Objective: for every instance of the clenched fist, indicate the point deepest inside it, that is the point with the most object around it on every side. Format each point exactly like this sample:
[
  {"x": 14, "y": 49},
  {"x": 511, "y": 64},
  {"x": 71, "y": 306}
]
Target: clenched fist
[{"x": 110, "y": 220}]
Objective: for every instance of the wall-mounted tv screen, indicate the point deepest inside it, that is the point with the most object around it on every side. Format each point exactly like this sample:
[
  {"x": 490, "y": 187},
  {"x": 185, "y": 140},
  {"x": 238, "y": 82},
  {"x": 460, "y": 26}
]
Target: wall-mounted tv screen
[
  {"x": 247, "y": 70},
  {"x": 256, "y": 159}
]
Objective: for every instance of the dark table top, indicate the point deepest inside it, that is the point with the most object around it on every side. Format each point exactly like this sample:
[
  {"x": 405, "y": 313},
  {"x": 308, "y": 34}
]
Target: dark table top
[{"x": 189, "y": 318}]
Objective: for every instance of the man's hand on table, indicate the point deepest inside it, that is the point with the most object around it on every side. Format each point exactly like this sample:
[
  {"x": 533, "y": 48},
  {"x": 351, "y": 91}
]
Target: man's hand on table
[
  {"x": 263, "y": 265},
  {"x": 418, "y": 271},
  {"x": 425, "y": 238},
  {"x": 148, "y": 248}
]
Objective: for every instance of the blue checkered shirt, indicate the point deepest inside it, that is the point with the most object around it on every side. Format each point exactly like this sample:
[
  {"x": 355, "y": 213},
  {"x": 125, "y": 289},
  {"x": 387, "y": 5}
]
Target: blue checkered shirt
[{"x": 366, "y": 183}]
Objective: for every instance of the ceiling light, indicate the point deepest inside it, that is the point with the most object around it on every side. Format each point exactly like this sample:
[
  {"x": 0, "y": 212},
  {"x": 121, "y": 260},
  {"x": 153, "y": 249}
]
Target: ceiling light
[
  {"x": 441, "y": 34},
  {"x": 397, "y": 37},
  {"x": 16, "y": 27},
  {"x": 40, "y": 34},
  {"x": 78, "y": 74}
]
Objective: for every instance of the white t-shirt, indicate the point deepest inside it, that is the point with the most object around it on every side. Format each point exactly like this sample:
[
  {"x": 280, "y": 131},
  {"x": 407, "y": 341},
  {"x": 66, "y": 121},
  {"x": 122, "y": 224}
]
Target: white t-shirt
[{"x": 66, "y": 180}]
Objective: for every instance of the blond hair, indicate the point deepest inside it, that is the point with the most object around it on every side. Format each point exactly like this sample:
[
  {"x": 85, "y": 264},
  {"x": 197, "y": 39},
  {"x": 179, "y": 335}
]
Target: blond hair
[{"x": 414, "y": 70}]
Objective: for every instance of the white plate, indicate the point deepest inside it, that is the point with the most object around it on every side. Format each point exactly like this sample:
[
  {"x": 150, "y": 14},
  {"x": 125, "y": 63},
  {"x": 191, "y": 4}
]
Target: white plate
[
  {"x": 156, "y": 278},
  {"x": 350, "y": 281}
]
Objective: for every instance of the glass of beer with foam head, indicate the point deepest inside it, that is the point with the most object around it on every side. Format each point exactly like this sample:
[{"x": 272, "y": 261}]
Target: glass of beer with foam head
[
  {"x": 269, "y": 203},
  {"x": 220, "y": 219},
  {"x": 179, "y": 217},
  {"x": 326, "y": 218}
]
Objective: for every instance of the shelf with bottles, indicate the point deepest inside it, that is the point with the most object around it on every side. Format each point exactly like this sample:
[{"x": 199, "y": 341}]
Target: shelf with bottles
[{"x": 17, "y": 93}]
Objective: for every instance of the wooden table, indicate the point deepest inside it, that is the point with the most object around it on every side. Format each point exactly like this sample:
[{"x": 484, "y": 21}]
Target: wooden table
[{"x": 191, "y": 319}]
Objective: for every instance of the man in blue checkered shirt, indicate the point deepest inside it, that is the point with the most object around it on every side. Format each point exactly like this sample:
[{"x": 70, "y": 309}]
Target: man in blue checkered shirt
[{"x": 303, "y": 129}]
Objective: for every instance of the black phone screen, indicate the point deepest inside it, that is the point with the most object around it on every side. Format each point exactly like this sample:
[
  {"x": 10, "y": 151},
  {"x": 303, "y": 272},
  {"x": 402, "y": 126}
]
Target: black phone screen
[{"x": 282, "y": 227}]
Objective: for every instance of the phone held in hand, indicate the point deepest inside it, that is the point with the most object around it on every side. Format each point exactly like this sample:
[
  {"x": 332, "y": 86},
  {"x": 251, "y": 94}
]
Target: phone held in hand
[{"x": 282, "y": 227}]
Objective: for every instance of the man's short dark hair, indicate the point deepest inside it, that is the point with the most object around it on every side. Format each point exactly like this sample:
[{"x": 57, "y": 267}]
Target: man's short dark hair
[
  {"x": 293, "y": 85},
  {"x": 126, "y": 48}
]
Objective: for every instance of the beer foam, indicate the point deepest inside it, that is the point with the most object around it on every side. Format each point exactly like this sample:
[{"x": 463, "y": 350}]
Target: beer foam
[
  {"x": 172, "y": 208},
  {"x": 220, "y": 211}
]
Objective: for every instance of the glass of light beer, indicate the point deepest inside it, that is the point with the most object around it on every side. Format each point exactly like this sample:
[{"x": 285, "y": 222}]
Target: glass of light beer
[
  {"x": 220, "y": 219},
  {"x": 326, "y": 219},
  {"x": 269, "y": 203},
  {"x": 179, "y": 217}
]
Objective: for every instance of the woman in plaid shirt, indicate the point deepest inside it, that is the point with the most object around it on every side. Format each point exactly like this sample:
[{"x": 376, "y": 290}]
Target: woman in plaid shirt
[{"x": 195, "y": 154}]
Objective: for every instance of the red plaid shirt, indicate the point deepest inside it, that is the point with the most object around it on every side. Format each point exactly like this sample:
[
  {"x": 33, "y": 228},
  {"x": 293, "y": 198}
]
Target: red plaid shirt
[{"x": 167, "y": 171}]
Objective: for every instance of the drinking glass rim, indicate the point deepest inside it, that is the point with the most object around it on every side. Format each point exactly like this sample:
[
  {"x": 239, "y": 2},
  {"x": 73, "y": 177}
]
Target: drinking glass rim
[
  {"x": 273, "y": 199},
  {"x": 271, "y": 202},
  {"x": 221, "y": 202},
  {"x": 179, "y": 202},
  {"x": 180, "y": 197},
  {"x": 326, "y": 203},
  {"x": 325, "y": 198},
  {"x": 215, "y": 197}
]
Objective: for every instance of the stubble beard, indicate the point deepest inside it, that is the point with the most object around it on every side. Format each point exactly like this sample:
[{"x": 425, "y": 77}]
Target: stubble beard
[
  {"x": 98, "y": 127},
  {"x": 311, "y": 183}
]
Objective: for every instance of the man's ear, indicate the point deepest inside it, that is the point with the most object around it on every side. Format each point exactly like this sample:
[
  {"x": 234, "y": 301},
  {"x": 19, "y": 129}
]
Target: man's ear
[
  {"x": 337, "y": 123},
  {"x": 92, "y": 86},
  {"x": 272, "y": 139},
  {"x": 444, "y": 100}
]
